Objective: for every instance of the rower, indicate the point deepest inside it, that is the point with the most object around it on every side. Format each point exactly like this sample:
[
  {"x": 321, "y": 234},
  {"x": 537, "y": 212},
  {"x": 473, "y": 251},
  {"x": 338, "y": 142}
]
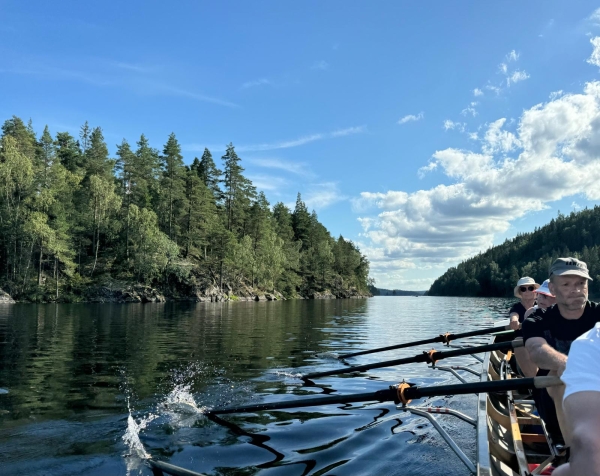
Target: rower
[
  {"x": 582, "y": 405},
  {"x": 548, "y": 334},
  {"x": 525, "y": 291}
]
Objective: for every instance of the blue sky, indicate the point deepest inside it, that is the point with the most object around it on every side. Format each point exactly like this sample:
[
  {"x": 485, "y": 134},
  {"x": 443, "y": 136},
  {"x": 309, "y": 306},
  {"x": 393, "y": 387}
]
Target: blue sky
[{"x": 425, "y": 132}]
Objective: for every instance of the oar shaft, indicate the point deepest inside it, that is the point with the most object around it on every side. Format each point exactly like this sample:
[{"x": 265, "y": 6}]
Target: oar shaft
[
  {"x": 424, "y": 357},
  {"x": 480, "y": 387},
  {"x": 380, "y": 396},
  {"x": 391, "y": 394},
  {"x": 440, "y": 338}
]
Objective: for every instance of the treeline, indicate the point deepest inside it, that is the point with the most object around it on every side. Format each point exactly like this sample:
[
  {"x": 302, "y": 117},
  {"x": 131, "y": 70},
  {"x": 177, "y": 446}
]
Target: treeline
[
  {"x": 495, "y": 272},
  {"x": 71, "y": 215}
]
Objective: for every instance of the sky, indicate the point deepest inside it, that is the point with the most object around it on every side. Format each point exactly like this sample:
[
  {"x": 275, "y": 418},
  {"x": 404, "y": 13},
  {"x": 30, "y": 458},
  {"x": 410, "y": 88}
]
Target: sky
[{"x": 425, "y": 132}]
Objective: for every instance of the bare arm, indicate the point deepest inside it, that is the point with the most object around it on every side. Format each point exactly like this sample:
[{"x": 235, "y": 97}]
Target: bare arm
[
  {"x": 514, "y": 321},
  {"x": 544, "y": 356},
  {"x": 582, "y": 410}
]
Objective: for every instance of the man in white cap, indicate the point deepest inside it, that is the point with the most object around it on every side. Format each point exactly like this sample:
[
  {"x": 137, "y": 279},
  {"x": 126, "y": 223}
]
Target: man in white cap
[
  {"x": 548, "y": 334},
  {"x": 582, "y": 405}
]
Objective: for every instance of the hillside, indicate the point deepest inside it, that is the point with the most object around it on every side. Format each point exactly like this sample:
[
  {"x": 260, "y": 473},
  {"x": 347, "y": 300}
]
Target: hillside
[
  {"x": 76, "y": 224},
  {"x": 495, "y": 272}
]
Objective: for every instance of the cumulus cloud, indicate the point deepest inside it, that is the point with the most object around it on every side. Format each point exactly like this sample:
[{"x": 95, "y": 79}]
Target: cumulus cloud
[
  {"x": 551, "y": 152},
  {"x": 411, "y": 118},
  {"x": 477, "y": 92},
  {"x": 594, "y": 59}
]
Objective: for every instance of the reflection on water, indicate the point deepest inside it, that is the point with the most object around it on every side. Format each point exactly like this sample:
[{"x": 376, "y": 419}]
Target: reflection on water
[{"x": 96, "y": 389}]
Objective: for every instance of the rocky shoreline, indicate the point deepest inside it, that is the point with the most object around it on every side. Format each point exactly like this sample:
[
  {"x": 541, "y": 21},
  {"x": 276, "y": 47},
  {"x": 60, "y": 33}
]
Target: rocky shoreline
[{"x": 137, "y": 293}]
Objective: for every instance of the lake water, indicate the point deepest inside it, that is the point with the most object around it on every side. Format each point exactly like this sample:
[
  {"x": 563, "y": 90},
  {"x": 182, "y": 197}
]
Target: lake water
[{"x": 92, "y": 389}]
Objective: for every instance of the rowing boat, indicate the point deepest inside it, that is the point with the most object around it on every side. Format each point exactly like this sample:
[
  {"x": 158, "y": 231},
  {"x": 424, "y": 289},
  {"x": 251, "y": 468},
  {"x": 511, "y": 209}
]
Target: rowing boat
[{"x": 511, "y": 438}]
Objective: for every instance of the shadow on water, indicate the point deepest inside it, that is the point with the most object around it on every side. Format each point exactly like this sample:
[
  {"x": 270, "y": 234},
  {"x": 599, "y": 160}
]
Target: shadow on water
[{"x": 77, "y": 377}]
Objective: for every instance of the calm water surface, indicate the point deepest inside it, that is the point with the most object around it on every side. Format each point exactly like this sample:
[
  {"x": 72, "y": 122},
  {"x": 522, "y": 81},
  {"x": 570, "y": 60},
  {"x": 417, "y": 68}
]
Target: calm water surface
[{"x": 84, "y": 381}]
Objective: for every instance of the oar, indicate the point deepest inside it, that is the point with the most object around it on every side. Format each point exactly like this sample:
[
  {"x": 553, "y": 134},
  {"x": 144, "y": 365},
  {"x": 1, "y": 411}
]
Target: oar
[
  {"x": 401, "y": 393},
  {"x": 430, "y": 357},
  {"x": 159, "y": 468},
  {"x": 445, "y": 338}
]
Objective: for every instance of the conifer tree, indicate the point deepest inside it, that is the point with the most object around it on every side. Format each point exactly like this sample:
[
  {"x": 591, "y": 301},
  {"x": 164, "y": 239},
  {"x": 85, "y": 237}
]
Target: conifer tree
[
  {"x": 238, "y": 192},
  {"x": 173, "y": 187}
]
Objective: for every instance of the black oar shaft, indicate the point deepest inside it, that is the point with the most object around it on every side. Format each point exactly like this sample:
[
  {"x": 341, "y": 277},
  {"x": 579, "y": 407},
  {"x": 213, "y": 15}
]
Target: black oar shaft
[
  {"x": 481, "y": 387},
  {"x": 380, "y": 396},
  {"x": 433, "y": 340},
  {"x": 391, "y": 394},
  {"x": 424, "y": 357}
]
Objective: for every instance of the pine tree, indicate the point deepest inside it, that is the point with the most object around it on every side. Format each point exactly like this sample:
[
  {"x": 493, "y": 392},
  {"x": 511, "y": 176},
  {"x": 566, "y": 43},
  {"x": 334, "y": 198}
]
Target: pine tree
[
  {"x": 68, "y": 153},
  {"x": 209, "y": 173},
  {"x": 238, "y": 192},
  {"x": 173, "y": 187}
]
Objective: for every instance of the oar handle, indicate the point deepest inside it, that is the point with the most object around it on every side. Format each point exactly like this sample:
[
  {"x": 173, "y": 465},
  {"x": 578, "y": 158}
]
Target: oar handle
[
  {"x": 429, "y": 357},
  {"x": 481, "y": 387}
]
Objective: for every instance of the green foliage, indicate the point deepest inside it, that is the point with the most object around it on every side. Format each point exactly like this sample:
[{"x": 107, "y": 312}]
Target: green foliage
[
  {"x": 495, "y": 272},
  {"x": 71, "y": 217}
]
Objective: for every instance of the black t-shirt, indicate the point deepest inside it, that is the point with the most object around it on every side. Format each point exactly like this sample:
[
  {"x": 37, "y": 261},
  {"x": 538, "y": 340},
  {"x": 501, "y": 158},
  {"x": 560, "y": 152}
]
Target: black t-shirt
[
  {"x": 558, "y": 331},
  {"x": 519, "y": 309}
]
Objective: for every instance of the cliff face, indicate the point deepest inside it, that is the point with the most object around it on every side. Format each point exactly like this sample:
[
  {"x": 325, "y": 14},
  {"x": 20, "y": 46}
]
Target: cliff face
[
  {"x": 116, "y": 292},
  {"x": 5, "y": 298}
]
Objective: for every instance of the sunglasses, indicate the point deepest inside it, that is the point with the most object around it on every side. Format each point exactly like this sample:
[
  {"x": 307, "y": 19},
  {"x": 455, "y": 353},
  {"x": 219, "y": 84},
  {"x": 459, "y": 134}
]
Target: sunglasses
[{"x": 526, "y": 288}]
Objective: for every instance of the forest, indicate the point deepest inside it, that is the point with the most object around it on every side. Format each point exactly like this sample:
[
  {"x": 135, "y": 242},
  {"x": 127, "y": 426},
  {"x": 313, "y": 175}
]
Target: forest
[
  {"x": 495, "y": 272},
  {"x": 73, "y": 218}
]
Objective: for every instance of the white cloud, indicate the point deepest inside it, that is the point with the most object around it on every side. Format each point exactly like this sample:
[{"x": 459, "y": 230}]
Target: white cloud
[
  {"x": 595, "y": 17},
  {"x": 503, "y": 67},
  {"x": 256, "y": 82},
  {"x": 268, "y": 182},
  {"x": 517, "y": 76},
  {"x": 322, "y": 195},
  {"x": 556, "y": 94},
  {"x": 411, "y": 117},
  {"x": 594, "y": 59},
  {"x": 512, "y": 56},
  {"x": 477, "y": 92},
  {"x": 555, "y": 153},
  {"x": 322, "y": 65},
  {"x": 348, "y": 131},
  {"x": 470, "y": 109},
  {"x": 288, "y": 143},
  {"x": 495, "y": 89},
  {"x": 297, "y": 168},
  {"x": 450, "y": 125},
  {"x": 498, "y": 141}
]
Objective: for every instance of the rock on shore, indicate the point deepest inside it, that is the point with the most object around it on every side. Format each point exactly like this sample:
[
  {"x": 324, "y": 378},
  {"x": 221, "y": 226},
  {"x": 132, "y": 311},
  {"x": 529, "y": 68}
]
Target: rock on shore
[
  {"x": 134, "y": 293},
  {"x": 5, "y": 298}
]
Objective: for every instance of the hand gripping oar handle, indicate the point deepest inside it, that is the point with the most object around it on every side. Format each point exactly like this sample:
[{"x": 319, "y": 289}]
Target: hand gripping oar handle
[
  {"x": 430, "y": 357},
  {"x": 445, "y": 338},
  {"x": 401, "y": 393}
]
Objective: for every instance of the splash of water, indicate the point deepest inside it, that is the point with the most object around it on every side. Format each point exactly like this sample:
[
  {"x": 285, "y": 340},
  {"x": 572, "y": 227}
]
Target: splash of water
[
  {"x": 285, "y": 374},
  {"x": 181, "y": 400}
]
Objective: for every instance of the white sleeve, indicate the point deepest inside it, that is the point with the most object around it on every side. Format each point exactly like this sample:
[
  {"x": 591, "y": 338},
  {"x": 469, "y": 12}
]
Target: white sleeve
[{"x": 582, "y": 373}]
